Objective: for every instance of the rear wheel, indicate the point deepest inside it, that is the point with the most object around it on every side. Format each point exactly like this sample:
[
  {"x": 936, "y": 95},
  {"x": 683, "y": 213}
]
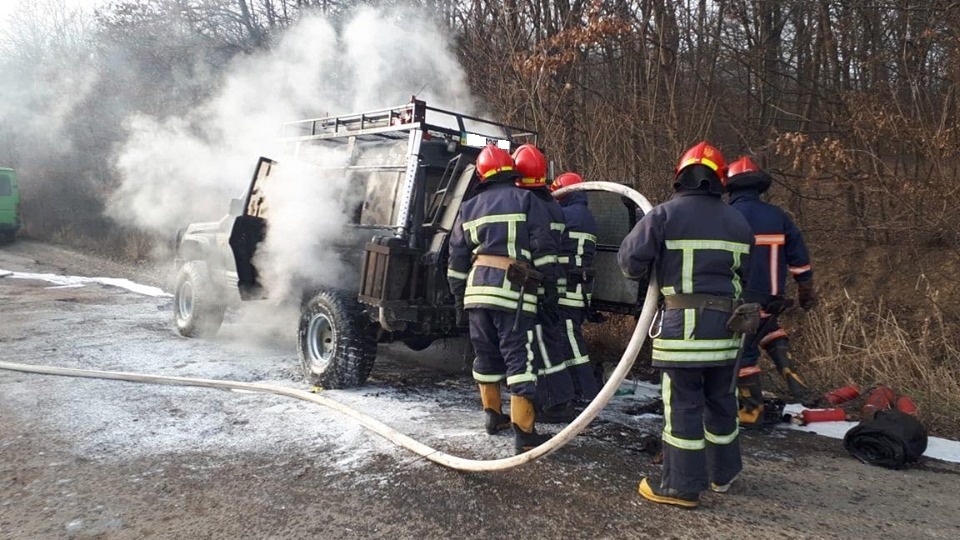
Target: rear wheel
[
  {"x": 336, "y": 343},
  {"x": 198, "y": 306}
]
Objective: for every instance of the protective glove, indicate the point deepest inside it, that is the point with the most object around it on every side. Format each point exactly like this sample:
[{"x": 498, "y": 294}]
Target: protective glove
[{"x": 806, "y": 295}]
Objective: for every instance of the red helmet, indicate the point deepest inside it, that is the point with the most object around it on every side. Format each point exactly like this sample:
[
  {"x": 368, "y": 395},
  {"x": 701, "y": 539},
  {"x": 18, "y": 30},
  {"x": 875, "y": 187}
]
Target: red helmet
[
  {"x": 745, "y": 174},
  {"x": 492, "y": 161},
  {"x": 711, "y": 159},
  {"x": 532, "y": 166},
  {"x": 564, "y": 180}
]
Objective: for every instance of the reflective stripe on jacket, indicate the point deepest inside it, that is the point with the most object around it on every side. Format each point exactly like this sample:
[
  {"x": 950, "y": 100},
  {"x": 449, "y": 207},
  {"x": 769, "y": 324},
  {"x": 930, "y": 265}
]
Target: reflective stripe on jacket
[
  {"x": 780, "y": 247},
  {"x": 506, "y": 221},
  {"x": 697, "y": 244},
  {"x": 578, "y": 247}
]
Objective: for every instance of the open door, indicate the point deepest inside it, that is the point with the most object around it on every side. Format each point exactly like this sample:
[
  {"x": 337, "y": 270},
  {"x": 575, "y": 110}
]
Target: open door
[{"x": 249, "y": 229}]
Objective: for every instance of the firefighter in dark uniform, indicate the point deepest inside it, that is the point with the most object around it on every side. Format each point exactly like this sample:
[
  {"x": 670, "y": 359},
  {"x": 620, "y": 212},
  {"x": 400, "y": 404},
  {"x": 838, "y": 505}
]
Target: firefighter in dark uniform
[
  {"x": 577, "y": 250},
  {"x": 699, "y": 248},
  {"x": 499, "y": 246},
  {"x": 779, "y": 251},
  {"x": 555, "y": 392}
]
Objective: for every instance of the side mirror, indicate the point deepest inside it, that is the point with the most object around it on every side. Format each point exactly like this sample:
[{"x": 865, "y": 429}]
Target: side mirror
[{"x": 236, "y": 207}]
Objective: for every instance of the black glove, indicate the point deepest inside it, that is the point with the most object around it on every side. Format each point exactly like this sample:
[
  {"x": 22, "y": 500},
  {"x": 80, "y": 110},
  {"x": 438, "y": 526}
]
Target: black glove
[{"x": 806, "y": 295}]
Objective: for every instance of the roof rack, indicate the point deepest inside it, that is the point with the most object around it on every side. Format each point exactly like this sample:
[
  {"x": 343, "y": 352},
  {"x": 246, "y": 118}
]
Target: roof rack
[{"x": 396, "y": 122}]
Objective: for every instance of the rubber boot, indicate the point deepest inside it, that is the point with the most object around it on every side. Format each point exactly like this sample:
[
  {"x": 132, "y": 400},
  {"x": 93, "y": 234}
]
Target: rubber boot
[
  {"x": 652, "y": 490},
  {"x": 523, "y": 417},
  {"x": 490, "y": 397},
  {"x": 750, "y": 395},
  {"x": 780, "y": 355}
]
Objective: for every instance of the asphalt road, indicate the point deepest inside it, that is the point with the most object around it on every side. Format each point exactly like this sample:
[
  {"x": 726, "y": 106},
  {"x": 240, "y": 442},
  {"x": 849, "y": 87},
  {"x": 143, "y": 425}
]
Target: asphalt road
[{"x": 99, "y": 459}]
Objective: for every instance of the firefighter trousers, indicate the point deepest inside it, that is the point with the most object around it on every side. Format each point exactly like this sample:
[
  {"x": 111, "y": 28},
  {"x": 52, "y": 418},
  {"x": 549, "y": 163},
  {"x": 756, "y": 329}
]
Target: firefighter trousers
[
  {"x": 700, "y": 431},
  {"x": 554, "y": 385},
  {"x": 502, "y": 353},
  {"x": 586, "y": 380}
]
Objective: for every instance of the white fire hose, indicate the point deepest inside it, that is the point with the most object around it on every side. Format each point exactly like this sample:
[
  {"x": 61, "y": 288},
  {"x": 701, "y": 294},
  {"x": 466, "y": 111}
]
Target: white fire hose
[{"x": 392, "y": 435}]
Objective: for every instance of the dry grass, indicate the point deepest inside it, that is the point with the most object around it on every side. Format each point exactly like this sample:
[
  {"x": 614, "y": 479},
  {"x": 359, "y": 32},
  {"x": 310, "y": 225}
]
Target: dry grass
[{"x": 848, "y": 341}]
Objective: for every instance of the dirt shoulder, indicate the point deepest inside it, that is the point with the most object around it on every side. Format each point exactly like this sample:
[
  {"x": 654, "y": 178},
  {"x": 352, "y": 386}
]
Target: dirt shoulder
[{"x": 110, "y": 460}]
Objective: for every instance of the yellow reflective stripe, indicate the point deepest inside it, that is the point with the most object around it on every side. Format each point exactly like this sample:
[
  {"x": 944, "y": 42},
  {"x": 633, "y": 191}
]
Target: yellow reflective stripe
[
  {"x": 689, "y": 323},
  {"x": 546, "y": 259},
  {"x": 721, "y": 245},
  {"x": 497, "y": 301},
  {"x": 563, "y": 260},
  {"x": 695, "y": 344},
  {"x": 686, "y": 271},
  {"x": 543, "y": 347},
  {"x": 666, "y": 391},
  {"x": 554, "y": 369},
  {"x": 700, "y": 161},
  {"x": 737, "y": 287},
  {"x": 574, "y": 346},
  {"x": 451, "y": 273},
  {"x": 667, "y": 291},
  {"x": 495, "y": 218},
  {"x": 492, "y": 172},
  {"x": 526, "y": 254},
  {"x": 523, "y": 377},
  {"x": 512, "y": 239},
  {"x": 502, "y": 292},
  {"x": 554, "y": 226},
  {"x": 693, "y": 356},
  {"x": 578, "y": 361},
  {"x": 722, "y": 439},
  {"x": 480, "y": 377},
  {"x": 583, "y": 236},
  {"x": 572, "y": 302},
  {"x": 684, "y": 444}
]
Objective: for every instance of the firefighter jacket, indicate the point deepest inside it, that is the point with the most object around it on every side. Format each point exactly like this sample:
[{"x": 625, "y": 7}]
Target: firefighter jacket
[
  {"x": 557, "y": 227},
  {"x": 505, "y": 221},
  {"x": 779, "y": 246},
  {"x": 697, "y": 245},
  {"x": 577, "y": 250}
]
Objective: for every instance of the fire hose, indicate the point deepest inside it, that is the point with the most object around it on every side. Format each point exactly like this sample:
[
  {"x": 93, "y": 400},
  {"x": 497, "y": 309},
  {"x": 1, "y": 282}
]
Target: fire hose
[{"x": 437, "y": 456}]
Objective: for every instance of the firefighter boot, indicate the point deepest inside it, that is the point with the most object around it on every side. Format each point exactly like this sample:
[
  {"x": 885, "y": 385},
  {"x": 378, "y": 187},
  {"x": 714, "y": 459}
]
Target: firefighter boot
[
  {"x": 490, "y": 396},
  {"x": 780, "y": 355},
  {"x": 525, "y": 434},
  {"x": 750, "y": 395},
  {"x": 652, "y": 490}
]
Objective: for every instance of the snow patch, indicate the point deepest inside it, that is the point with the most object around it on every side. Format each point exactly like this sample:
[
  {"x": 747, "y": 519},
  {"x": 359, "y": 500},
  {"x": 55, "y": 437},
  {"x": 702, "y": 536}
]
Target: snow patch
[
  {"x": 937, "y": 448},
  {"x": 63, "y": 281}
]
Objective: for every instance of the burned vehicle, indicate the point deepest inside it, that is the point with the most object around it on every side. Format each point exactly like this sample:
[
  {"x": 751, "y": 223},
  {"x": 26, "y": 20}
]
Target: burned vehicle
[{"x": 406, "y": 170}]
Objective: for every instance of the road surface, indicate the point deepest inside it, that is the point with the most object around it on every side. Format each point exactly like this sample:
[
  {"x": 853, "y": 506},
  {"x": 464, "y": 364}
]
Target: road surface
[{"x": 112, "y": 460}]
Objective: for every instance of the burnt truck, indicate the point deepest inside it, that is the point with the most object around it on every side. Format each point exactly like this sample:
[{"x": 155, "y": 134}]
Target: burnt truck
[{"x": 408, "y": 169}]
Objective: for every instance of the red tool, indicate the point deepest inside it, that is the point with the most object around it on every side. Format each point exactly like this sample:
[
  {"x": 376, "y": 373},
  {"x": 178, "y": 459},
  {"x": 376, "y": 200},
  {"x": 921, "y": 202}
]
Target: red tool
[
  {"x": 842, "y": 395},
  {"x": 906, "y": 405},
  {"x": 810, "y": 416}
]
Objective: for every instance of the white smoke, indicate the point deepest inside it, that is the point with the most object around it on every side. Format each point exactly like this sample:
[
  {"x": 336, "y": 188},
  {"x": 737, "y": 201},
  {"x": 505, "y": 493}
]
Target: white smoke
[{"x": 184, "y": 169}]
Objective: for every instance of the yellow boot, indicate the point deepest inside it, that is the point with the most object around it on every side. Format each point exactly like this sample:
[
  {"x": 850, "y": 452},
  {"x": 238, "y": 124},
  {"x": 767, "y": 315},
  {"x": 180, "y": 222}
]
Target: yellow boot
[
  {"x": 523, "y": 416},
  {"x": 490, "y": 397},
  {"x": 750, "y": 395}
]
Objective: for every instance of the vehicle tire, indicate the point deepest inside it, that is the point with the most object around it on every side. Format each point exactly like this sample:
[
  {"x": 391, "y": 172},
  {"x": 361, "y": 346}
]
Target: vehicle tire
[
  {"x": 418, "y": 343},
  {"x": 336, "y": 342},
  {"x": 198, "y": 305}
]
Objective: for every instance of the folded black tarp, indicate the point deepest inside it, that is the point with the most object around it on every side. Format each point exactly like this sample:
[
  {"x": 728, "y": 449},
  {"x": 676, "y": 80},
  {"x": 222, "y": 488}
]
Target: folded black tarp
[{"x": 892, "y": 440}]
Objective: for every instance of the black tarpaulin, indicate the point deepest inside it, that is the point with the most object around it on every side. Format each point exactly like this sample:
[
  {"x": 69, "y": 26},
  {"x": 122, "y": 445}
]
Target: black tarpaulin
[{"x": 892, "y": 440}]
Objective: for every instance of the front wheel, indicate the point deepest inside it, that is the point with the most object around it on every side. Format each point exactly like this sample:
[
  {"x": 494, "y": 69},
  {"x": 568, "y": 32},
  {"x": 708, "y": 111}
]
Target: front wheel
[
  {"x": 198, "y": 308},
  {"x": 336, "y": 343}
]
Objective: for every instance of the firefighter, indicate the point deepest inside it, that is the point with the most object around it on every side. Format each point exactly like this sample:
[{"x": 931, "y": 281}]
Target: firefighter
[
  {"x": 779, "y": 250},
  {"x": 555, "y": 392},
  {"x": 699, "y": 248},
  {"x": 577, "y": 250},
  {"x": 501, "y": 250}
]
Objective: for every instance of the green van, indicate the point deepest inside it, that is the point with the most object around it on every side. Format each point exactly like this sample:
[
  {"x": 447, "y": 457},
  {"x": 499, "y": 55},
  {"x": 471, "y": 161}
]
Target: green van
[{"x": 9, "y": 205}]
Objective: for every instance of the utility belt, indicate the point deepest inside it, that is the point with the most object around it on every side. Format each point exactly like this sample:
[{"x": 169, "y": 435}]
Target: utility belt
[
  {"x": 518, "y": 272},
  {"x": 702, "y": 302}
]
